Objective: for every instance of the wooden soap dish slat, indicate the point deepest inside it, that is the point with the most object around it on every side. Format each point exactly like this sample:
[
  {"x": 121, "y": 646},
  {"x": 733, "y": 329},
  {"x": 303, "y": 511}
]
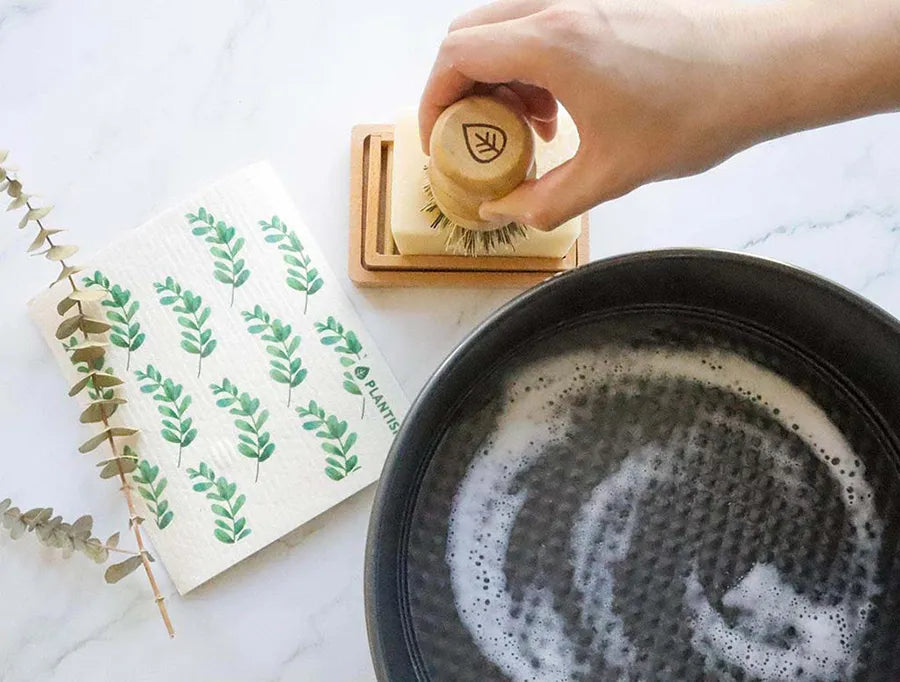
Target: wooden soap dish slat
[{"x": 374, "y": 259}]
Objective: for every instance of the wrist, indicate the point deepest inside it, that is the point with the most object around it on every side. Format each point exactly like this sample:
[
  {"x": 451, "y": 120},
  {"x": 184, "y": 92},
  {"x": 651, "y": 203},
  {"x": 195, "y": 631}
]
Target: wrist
[{"x": 806, "y": 63}]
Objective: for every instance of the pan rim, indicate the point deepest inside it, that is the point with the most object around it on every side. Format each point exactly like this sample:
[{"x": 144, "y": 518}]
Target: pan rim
[{"x": 385, "y": 508}]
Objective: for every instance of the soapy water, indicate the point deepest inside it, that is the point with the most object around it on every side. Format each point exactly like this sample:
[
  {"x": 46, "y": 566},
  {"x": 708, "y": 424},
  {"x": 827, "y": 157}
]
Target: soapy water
[{"x": 762, "y": 625}]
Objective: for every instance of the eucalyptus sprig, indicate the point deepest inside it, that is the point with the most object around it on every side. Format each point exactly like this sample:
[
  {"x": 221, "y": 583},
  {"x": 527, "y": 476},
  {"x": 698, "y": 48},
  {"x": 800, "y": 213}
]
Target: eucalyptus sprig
[
  {"x": 126, "y": 331},
  {"x": 196, "y": 337},
  {"x": 253, "y": 442},
  {"x": 51, "y": 531},
  {"x": 332, "y": 431},
  {"x": 346, "y": 343},
  {"x": 152, "y": 491},
  {"x": 286, "y": 365},
  {"x": 228, "y": 269},
  {"x": 126, "y": 462},
  {"x": 90, "y": 349},
  {"x": 173, "y": 406},
  {"x": 229, "y": 528},
  {"x": 85, "y": 363},
  {"x": 301, "y": 276}
]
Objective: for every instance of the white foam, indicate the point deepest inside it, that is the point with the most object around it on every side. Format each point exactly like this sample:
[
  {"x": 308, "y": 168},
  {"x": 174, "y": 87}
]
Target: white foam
[
  {"x": 613, "y": 506},
  {"x": 483, "y": 514},
  {"x": 526, "y": 639},
  {"x": 816, "y": 640}
]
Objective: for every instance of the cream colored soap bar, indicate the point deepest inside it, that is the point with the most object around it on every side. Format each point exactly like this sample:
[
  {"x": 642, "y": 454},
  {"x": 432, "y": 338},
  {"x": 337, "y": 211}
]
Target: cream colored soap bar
[{"x": 411, "y": 227}]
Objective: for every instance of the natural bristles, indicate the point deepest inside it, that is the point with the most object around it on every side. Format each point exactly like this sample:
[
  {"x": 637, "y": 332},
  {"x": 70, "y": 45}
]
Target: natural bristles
[{"x": 468, "y": 242}]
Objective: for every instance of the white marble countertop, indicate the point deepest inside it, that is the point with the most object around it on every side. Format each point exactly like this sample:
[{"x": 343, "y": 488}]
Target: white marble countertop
[{"x": 114, "y": 110}]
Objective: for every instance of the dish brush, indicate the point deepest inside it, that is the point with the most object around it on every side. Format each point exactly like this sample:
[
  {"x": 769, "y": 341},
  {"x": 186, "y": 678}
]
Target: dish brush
[{"x": 481, "y": 150}]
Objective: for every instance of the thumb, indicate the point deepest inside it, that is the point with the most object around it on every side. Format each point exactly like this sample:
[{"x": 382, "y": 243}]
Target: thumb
[{"x": 545, "y": 203}]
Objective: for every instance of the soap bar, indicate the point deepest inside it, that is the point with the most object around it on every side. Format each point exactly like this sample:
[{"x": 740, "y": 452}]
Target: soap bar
[{"x": 411, "y": 227}]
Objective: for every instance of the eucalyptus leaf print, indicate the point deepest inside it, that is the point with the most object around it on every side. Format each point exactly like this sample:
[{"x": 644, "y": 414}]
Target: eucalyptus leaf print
[
  {"x": 347, "y": 345},
  {"x": 229, "y": 268},
  {"x": 230, "y": 528},
  {"x": 177, "y": 426},
  {"x": 301, "y": 275},
  {"x": 196, "y": 336},
  {"x": 151, "y": 487},
  {"x": 286, "y": 365},
  {"x": 253, "y": 442},
  {"x": 125, "y": 331},
  {"x": 336, "y": 442}
]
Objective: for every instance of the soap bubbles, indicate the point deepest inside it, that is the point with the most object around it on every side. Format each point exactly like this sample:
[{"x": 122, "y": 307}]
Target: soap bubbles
[{"x": 619, "y": 441}]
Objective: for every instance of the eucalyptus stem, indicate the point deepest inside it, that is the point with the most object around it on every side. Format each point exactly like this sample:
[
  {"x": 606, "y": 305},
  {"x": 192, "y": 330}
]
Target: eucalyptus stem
[{"x": 134, "y": 519}]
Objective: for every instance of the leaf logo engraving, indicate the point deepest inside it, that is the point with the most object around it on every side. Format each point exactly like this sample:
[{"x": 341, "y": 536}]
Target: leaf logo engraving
[{"x": 484, "y": 141}]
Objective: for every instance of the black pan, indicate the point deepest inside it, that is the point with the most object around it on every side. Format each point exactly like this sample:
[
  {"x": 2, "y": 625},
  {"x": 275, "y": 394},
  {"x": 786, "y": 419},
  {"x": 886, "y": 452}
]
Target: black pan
[{"x": 671, "y": 465}]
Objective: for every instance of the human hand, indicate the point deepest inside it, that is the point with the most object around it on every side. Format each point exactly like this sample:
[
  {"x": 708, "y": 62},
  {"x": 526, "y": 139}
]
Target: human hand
[{"x": 658, "y": 88}]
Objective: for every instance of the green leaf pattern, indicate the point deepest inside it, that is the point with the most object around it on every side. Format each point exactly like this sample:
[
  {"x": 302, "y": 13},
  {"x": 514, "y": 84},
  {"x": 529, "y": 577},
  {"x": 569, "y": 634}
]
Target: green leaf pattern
[
  {"x": 152, "y": 490},
  {"x": 337, "y": 443},
  {"x": 196, "y": 336},
  {"x": 301, "y": 276},
  {"x": 230, "y": 528},
  {"x": 125, "y": 331},
  {"x": 229, "y": 268},
  {"x": 253, "y": 442},
  {"x": 286, "y": 366},
  {"x": 177, "y": 427},
  {"x": 347, "y": 345}
]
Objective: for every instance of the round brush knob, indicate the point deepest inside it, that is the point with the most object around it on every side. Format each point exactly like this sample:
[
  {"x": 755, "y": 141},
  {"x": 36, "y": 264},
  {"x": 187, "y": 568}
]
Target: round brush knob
[{"x": 481, "y": 150}]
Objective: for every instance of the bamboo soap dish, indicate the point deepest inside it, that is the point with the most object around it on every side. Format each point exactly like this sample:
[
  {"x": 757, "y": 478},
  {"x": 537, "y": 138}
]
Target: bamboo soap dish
[{"x": 375, "y": 260}]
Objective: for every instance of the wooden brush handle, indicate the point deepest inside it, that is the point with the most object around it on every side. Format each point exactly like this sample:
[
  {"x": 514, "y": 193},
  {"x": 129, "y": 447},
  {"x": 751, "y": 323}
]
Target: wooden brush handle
[{"x": 481, "y": 149}]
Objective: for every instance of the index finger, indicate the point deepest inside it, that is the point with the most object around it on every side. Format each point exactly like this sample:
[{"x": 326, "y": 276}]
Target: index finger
[{"x": 493, "y": 53}]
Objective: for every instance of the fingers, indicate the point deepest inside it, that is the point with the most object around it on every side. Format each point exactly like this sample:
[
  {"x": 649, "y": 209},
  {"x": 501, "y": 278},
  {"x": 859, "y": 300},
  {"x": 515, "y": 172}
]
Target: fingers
[
  {"x": 541, "y": 108},
  {"x": 559, "y": 195},
  {"x": 540, "y": 113},
  {"x": 539, "y": 102},
  {"x": 495, "y": 53},
  {"x": 501, "y": 10}
]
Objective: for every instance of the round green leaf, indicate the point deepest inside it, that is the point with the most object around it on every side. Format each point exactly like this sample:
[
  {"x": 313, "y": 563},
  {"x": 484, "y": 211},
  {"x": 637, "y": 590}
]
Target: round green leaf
[
  {"x": 222, "y": 536},
  {"x": 333, "y": 474}
]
